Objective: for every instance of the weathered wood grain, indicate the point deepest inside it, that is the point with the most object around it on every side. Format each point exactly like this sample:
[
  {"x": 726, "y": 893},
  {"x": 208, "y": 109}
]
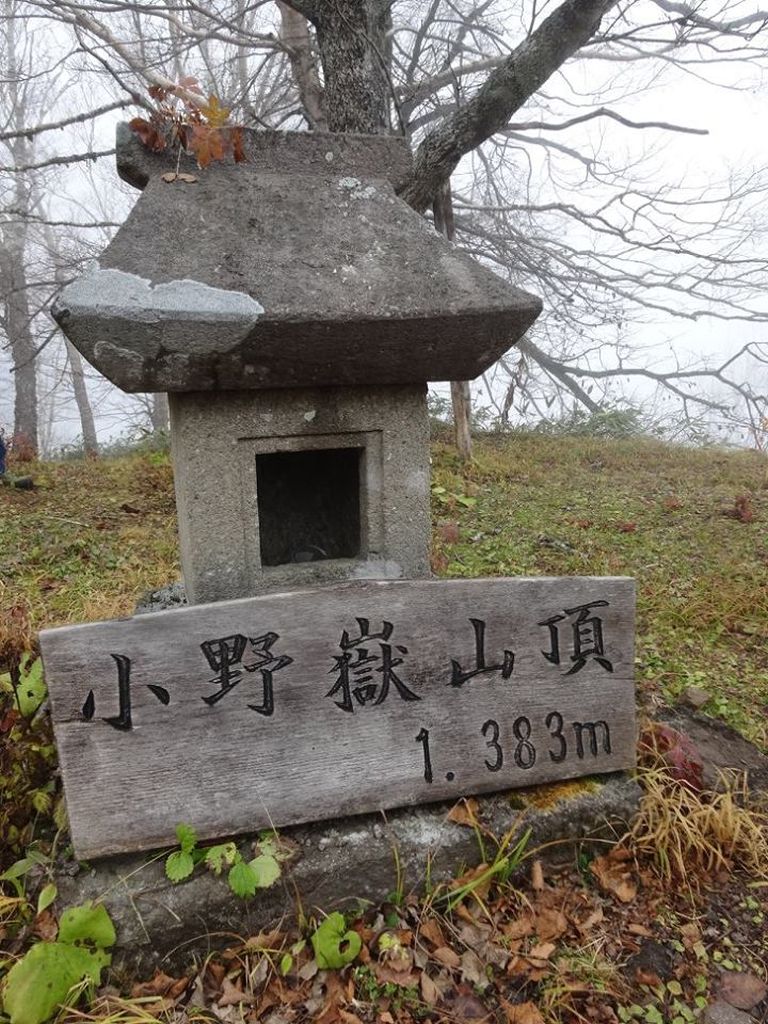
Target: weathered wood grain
[{"x": 231, "y": 764}]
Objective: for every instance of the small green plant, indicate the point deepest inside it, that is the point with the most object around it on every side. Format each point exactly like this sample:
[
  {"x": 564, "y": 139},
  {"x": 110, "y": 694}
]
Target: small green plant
[
  {"x": 335, "y": 946},
  {"x": 244, "y": 877},
  {"x": 52, "y": 974},
  {"x": 447, "y": 498},
  {"x": 504, "y": 864}
]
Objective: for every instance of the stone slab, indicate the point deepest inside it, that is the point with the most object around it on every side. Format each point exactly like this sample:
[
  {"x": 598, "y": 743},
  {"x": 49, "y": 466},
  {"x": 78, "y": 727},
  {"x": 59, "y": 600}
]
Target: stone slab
[
  {"x": 215, "y": 447},
  {"x": 286, "y": 273},
  {"x": 321, "y": 703},
  {"x": 338, "y": 865}
]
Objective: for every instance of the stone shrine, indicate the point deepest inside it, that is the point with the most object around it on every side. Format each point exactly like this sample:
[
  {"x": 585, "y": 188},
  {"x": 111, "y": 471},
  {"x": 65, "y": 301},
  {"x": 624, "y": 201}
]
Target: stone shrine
[{"x": 293, "y": 308}]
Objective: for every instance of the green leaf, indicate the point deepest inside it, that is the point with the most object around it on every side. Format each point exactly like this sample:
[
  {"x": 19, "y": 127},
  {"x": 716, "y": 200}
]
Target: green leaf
[
  {"x": 31, "y": 691},
  {"x": 187, "y": 838},
  {"x": 46, "y": 897},
  {"x": 465, "y": 501},
  {"x": 242, "y": 880},
  {"x": 266, "y": 869},
  {"x": 179, "y": 865},
  {"x": 675, "y": 988},
  {"x": 334, "y": 946},
  {"x": 17, "y": 870},
  {"x": 88, "y": 923},
  {"x": 286, "y": 963},
  {"x": 217, "y": 857},
  {"x": 42, "y": 980}
]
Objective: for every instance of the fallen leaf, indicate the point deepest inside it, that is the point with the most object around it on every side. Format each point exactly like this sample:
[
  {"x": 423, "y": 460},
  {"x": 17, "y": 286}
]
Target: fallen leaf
[
  {"x": 46, "y": 926},
  {"x": 613, "y": 875},
  {"x": 643, "y": 976},
  {"x": 386, "y": 974},
  {"x": 465, "y": 1006},
  {"x": 590, "y": 921},
  {"x": 429, "y": 990},
  {"x": 521, "y": 927},
  {"x": 550, "y": 924},
  {"x": 639, "y": 929},
  {"x": 233, "y": 995},
  {"x": 743, "y": 990},
  {"x": 522, "y": 1013},
  {"x": 542, "y": 952},
  {"x": 446, "y": 955},
  {"x": 432, "y": 932},
  {"x": 472, "y": 969},
  {"x": 347, "y": 1017},
  {"x": 464, "y": 813},
  {"x": 161, "y": 985}
]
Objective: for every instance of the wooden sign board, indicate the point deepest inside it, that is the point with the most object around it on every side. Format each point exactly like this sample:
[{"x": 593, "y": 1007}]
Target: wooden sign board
[{"x": 299, "y": 706}]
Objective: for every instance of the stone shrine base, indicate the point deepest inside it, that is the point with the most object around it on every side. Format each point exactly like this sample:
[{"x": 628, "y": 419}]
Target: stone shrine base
[{"x": 338, "y": 865}]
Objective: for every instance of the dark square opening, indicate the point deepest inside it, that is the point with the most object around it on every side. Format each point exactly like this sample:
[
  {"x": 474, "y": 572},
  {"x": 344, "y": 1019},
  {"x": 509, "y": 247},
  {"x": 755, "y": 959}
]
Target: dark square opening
[{"x": 309, "y": 505}]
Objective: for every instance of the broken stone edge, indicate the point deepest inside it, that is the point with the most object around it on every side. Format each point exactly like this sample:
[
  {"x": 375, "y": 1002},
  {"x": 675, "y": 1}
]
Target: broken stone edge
[{"x": 342, "y": 865}]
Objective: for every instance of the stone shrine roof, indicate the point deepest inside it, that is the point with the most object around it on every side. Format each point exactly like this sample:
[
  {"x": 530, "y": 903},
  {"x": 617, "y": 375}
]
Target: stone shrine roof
[{"x": 300, "y": 267}]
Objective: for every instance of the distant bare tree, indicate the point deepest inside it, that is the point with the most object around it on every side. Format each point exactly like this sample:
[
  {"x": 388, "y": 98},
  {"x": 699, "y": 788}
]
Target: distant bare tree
[{"x": 499, "y": 99}]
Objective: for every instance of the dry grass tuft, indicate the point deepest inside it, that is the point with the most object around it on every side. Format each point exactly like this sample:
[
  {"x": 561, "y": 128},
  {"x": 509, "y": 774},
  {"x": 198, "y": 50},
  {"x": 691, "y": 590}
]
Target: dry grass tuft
[{"x": 688, "y": 833}]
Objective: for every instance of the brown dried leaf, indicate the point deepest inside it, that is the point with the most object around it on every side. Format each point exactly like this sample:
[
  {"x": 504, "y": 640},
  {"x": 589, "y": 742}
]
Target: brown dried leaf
[
  {"x": 542, "y": 952},
  {"x": 550, "y": 924},
  {"x": 472, "y": 969},
  {"x": 387, "y": 973},
  {"x": 522, "y": 1013},
  {"x": 46, "y": 927},
  {"x": 446, "y": 955},
  {"x": 613, "y": 876},
  {"x": 521, "y": 928},
  {"x": 639, "y": 929},
  {"x": 161, "y": 985},
  {"x": 429, "y": 990},
  {"x": 743, "y": 990},
  {"x": 432, "y": 932},
  {"x": 464, "y": 813},
  {"x": 590, "y": 921},
  {"x": 233, "y": 995}
]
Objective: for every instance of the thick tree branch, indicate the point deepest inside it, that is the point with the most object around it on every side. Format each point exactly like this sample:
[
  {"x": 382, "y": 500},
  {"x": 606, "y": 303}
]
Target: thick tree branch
[{"x": 507, "y": 88}]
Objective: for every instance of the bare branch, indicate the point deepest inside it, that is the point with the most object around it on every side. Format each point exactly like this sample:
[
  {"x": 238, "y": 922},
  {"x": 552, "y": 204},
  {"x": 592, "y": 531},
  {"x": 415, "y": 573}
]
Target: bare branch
[
  {"x": 89, "y": 115},
  {"x": 507, "y": 88},
  {"x": 72, "y": 158}
]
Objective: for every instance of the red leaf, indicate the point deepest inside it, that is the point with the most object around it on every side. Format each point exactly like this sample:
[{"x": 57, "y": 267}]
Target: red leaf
[
  {"x": 147, "y": 133},
  {"x": 677, "y": 752}
]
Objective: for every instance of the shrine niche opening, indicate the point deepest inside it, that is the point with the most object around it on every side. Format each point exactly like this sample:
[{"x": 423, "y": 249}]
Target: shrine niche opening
[{"x": 309, "y": 505}]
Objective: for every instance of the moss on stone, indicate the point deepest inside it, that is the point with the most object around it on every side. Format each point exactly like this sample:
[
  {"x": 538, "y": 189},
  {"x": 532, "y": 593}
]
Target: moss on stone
[{"x": 548, "y": 796}]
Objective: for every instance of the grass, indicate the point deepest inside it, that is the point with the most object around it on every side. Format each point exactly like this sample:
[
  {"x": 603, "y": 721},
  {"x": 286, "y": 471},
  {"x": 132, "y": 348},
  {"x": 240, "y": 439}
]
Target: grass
[{"x": 95, "y": 535}]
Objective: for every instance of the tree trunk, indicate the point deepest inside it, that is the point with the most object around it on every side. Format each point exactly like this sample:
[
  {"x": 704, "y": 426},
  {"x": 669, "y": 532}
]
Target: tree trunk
[
  {"x": 353, "y": 36},
  {"x": 13, "y": 290},
  {"x": 13, "y": 275},
  {"x": 87, "y": 425}
]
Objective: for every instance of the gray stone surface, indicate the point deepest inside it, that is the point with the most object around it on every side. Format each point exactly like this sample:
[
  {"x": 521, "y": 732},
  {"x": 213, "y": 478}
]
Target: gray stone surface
[
  {"x": 334, "y": 866},
  {"x": 215, "y": 444},
  {"x": 381, "y": 156},
  {"x": 290, "y": 270},
  {"x": 164, "y": 598},
  {"x": 720, "y": 1012}
]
